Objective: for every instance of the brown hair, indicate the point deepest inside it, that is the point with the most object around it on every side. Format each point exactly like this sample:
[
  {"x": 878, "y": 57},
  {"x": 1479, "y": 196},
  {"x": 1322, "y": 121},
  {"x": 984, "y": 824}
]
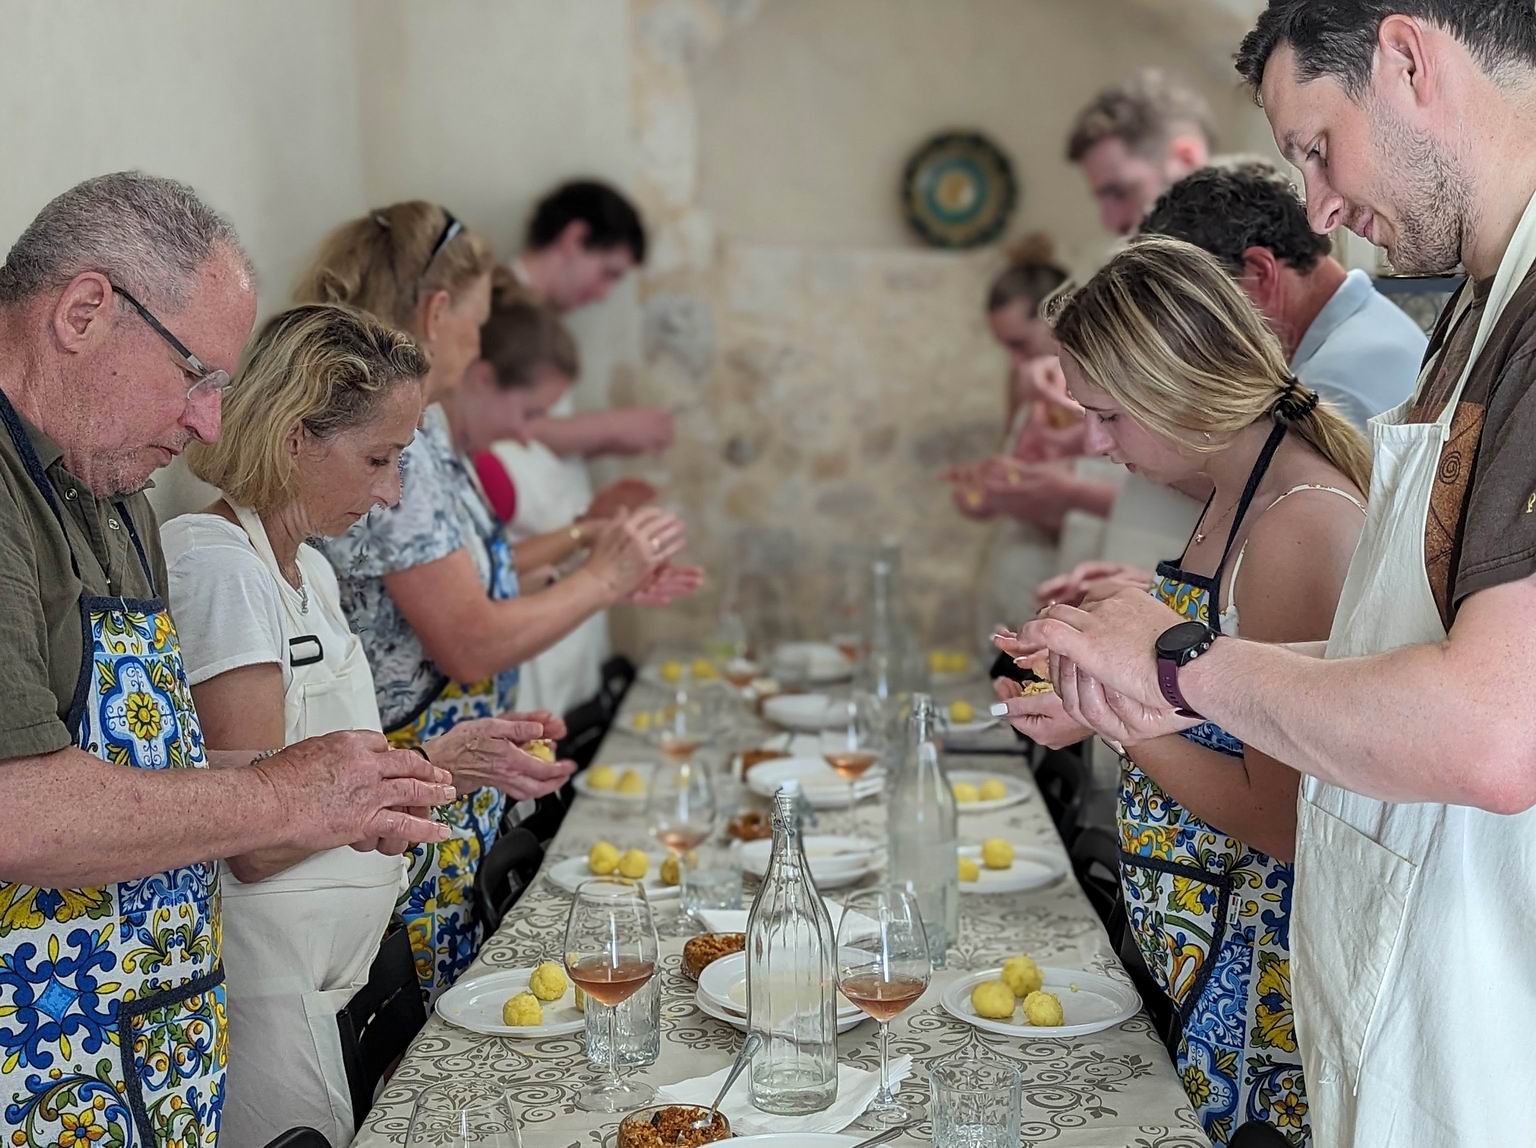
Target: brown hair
[
  {"x": 386, "y": 261},
  {"x": 323, "y": 366},
  {"x": 1164, "y": 331},
  {"x": 523, "y": 335},
  {"x": 1144, "y": 113},
  {"x": 1032, "y": 274}
]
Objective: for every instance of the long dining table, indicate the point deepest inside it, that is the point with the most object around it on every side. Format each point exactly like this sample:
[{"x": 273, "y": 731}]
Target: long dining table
[{"x": 1113, "y": 1089}]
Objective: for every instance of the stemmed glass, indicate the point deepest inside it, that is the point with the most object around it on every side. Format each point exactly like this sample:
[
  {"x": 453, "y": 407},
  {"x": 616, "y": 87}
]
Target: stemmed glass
[
  {"x": 681, "y": 809},
  {"x": 463, "y": 1113},
  {"x": 883, "y": 967},
  {"x": 854, "y": 745},
  {"x": 611, "y": 952}
]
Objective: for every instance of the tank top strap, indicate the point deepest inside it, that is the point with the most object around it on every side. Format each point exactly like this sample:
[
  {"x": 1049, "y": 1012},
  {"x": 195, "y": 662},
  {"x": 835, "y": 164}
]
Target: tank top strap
[{"x": 1237, "y": 564}]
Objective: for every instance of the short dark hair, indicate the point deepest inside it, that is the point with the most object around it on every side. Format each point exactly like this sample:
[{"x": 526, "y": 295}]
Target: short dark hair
[
  {"x": 1032, "y": 274},
  {"x": 1227, "y": 209},
  {"x": 1143, "y": 113},
  {"x": 611, "y": 219},
  {"x": 1337, "y": 38},
  {"x": 524, "y": 334}
]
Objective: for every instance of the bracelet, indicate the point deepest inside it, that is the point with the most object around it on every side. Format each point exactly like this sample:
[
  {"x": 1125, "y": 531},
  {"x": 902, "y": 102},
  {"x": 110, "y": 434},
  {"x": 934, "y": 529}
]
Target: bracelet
[
  {"x": 578, "y": 536},
  {"x": 263, "y": 755}
]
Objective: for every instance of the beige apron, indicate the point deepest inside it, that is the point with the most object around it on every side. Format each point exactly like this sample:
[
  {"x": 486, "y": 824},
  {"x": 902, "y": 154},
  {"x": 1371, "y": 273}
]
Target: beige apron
[
  {"x": 299, "y": 944},
  {"x": 1414, "y": 931}
]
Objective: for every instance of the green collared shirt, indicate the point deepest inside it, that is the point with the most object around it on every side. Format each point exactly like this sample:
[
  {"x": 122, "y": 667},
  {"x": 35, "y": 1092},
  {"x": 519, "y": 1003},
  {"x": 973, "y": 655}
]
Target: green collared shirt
[{"x": 40, "y": 625}]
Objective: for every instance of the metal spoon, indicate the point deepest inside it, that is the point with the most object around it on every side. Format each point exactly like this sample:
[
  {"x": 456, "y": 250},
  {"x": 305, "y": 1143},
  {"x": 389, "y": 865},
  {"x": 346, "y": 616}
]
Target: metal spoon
[
  {"x": 883, "y": 1137},
  {"x": 744, "y": 1056}
]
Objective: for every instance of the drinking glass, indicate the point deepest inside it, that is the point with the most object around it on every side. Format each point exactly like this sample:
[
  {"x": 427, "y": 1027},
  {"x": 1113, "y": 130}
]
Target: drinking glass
[
  {"x": 883, "y": 967},
  {"x": 681, "y": 810},
  {"x": 611, "y": 952},
  {"x": 854, "y": 745},
  {"x": 463, "y": 1113},
  {"x": 975, "y": 1100}
]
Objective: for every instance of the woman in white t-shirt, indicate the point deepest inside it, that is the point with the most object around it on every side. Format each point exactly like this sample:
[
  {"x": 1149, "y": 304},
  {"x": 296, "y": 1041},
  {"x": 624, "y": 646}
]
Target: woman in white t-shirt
[{"x": 326, "y": 401}]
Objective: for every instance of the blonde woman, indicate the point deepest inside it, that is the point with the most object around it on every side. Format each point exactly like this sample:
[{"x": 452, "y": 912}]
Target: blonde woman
[
  {"x": 431, "y": 583},
  {"x": 1182, "y": 379},
  {"x": 325, "y": 402}
]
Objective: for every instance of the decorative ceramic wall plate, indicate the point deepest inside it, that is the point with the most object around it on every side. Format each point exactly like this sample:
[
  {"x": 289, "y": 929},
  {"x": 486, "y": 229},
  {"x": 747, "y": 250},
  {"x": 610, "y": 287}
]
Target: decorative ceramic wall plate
[{"x": 958, "y": 190}]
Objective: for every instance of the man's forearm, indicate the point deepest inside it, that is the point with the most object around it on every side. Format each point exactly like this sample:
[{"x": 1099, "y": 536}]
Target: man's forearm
[
  {"x": 70, "y": 820},
  {"x": 582, "y": 434},
  {"x": 1404, "y": 726}
]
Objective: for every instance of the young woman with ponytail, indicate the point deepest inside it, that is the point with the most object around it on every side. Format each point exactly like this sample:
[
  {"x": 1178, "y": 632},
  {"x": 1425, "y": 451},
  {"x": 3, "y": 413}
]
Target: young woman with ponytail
[{"x": 1181, "y": 377}]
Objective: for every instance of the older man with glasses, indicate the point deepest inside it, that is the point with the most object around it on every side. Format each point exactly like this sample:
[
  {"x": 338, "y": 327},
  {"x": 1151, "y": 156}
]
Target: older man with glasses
[{"x": 111, "y": 987}]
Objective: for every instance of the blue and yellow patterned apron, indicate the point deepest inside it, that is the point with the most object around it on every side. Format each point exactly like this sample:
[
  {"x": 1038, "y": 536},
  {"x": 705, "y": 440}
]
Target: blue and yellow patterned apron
[
  {"x": 438, "y": 904},
  {"x": 112, "y": 1003},
  {"x": 1211, "y": 917}
]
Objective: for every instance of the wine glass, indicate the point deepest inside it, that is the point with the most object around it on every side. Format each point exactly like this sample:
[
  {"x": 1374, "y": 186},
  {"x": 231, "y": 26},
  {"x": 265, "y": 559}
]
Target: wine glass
[
  {"x": 463, "y": 1113},
  {"x": 682, "y": 809},
  {"x": 854, "y": 745},
  {"x": 883, "y": 967},
  {"x": 611, "y": 952},
  {"x": 691, "y": 721}
]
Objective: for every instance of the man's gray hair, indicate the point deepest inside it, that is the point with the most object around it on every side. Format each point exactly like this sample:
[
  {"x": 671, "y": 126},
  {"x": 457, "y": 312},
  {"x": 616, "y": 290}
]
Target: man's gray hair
[{"x": 147, "y": 234}]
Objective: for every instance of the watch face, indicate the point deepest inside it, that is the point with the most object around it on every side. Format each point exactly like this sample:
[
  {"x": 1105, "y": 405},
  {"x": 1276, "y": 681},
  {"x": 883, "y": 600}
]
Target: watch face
[{"x": 1175, "y": 642}]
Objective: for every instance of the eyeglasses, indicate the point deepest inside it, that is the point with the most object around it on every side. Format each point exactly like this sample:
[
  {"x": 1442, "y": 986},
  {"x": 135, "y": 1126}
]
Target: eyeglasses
[{"x": 208, "y": 381}]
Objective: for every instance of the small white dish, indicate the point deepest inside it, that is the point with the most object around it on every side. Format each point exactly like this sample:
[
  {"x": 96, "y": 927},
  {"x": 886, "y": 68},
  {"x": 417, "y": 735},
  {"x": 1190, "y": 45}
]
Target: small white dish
[
  {"x": 1032, "y": 868},
  {"x": 822, "y": 786},
  {"x": 570, "y": 873},
  {"x": 739, "y": 1021},
  {"x": 583, "y": 782},
  {"x": 1098, "y": 1003},
  {"x": 723, "y": 983},
  {"x": 834, "y": 861},
  {"x": 474, "y": 1004},
  {"x": 1018, "y": 790},
  {"x": 805, "y": 713},
  {"x": 818, "y": 663}
]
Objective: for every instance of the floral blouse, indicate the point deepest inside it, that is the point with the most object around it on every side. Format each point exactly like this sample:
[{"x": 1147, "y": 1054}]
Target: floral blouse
[{"x": 440, "y": 511}]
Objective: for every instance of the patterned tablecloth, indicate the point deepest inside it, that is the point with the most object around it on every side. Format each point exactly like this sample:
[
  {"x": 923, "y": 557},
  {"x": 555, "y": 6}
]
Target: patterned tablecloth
[{"x": 1115, "y": 1089}]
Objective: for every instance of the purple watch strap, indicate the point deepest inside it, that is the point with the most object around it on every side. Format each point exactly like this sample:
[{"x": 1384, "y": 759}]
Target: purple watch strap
[{"x": 1168, "y": 682}]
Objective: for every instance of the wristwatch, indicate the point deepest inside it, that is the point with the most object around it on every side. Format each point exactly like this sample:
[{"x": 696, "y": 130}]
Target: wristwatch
[{"x": 1176, "y": 648}]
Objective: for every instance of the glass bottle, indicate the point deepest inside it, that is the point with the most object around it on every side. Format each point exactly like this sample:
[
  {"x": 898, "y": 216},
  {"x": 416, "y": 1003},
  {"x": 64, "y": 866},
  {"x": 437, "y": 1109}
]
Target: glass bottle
[
  {"x": 922, "y": 830},
  {"x": 791, "y": 985}
]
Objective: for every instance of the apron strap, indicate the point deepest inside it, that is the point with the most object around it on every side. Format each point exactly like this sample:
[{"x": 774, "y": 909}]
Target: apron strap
[
  {"x": 35, "y": 472},
  {"x": 1255, "y": 476}
]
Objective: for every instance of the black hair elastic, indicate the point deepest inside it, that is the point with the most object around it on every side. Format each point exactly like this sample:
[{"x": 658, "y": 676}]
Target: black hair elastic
[{"x": 1295, "y": 403}]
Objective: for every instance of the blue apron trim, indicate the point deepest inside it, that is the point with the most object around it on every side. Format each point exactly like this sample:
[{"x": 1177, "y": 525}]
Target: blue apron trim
[{"x": 126, "y": 1014}]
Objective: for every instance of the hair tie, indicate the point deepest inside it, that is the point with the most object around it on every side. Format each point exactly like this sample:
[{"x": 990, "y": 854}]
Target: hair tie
[{"x": 1295, "y": 403}]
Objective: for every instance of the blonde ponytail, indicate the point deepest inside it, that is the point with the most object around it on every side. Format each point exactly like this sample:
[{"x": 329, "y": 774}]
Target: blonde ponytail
[{"x": 1164, "y": 331}]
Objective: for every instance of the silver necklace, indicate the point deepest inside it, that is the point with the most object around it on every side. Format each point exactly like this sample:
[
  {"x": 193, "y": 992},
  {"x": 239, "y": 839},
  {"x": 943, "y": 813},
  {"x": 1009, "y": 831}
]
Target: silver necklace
[{"x": 301, "y": 587}]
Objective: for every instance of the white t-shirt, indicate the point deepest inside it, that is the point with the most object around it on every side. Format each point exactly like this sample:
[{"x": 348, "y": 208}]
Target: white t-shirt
[{"x": 227, "y": 606}]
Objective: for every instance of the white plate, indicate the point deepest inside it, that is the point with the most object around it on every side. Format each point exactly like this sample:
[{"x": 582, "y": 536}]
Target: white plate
[
  {"x": 807, "y": 713},
  {"x": 710, "y": 1009},
  {"x": 1032, "y": 868},
  {"x": 834, "y": 861},
  {"x": 803, "y": 1139},
  {"x": 825, "y": 662},
  {"x": 723, "y": 984},
  {"x": 822, "y": 786},
  {"x": 571, "y": 872},
  {"x": 1099, "y": 1003},
  {"x": 583, "y": 782},
  {"x": 1018, "y": 789},
  {"x": 474, "y": 1003},
  {"x": 962, "y": 728}
]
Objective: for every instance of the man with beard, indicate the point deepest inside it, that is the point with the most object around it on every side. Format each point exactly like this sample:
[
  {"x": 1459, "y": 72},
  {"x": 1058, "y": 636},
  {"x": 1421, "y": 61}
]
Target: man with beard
[{"x": 1416, "y": 854}]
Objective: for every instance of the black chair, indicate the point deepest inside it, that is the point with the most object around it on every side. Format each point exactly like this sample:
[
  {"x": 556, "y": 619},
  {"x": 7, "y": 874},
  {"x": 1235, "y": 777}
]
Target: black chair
[
  {"x": 587, "y": 724},
  {"x": 1256, "y": 1135},
  {"x": 504, "y": 874},
  {"x": 1062, "y": 777},
  {"x": 300, "y": 1138},
  {"x": 378, "y": 1022},
  {"x": 1096, "y": 863}
]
